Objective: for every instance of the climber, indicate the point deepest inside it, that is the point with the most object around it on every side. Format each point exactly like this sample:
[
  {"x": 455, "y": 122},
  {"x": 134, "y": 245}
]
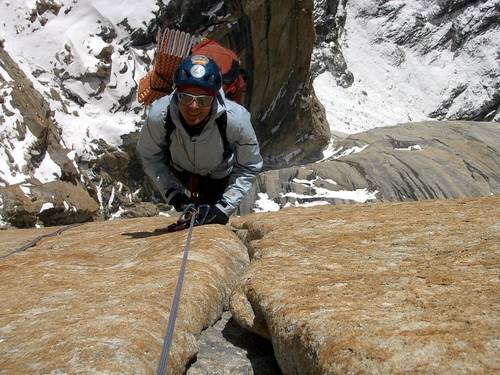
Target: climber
[{"x": 197, "y": 141}]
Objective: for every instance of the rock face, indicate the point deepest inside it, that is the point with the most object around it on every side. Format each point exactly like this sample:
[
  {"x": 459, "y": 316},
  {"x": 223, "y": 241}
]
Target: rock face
[
  {"x": 405, "y": 162},
  {"x": 274, "y": 40},
  {"x": 329, "y": 22},
  {"x": 398, "y": 34},
  {"x": 53, "y": 203},
  {"x": 44, "y": 159},
  {"x": 95, "y": 299},
  {"x": 376, "y": 288},
  {"x": 228, "y": 349},
  {"x": 36, "y": 120}
]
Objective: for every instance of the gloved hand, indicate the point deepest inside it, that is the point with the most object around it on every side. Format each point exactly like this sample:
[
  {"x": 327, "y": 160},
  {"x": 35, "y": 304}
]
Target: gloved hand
[
  {"x": 215, "y": 216},
  {"x": 179, "y": 201}
]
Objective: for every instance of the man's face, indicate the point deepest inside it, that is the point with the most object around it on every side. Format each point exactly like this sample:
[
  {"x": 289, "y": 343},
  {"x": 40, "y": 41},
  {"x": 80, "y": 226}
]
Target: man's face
[{"x": 195, "y": 104}]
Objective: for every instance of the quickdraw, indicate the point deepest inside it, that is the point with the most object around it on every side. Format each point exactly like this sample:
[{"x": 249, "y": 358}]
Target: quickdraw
[{"x": 200, "y": 214}]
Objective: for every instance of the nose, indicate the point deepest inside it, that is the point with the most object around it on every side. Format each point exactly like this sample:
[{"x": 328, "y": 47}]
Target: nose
[{"x": 194, "y": 104}]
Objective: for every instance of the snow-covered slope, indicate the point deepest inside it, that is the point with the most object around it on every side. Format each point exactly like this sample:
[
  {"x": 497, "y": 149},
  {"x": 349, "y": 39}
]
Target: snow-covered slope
[
  {"x": 77, "y": 53},
  {"x": 410, "y": 61}
]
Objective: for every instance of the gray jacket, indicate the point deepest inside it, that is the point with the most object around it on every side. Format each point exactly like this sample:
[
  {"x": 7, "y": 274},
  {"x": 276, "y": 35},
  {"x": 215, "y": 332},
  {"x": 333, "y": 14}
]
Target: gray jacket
[{"x": 201, "y": 154}]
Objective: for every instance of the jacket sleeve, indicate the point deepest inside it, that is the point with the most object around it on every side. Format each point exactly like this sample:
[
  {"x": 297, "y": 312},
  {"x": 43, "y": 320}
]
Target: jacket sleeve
[
  {"x": 247, "y": 164},
  {"x": 151, "y": 147}
]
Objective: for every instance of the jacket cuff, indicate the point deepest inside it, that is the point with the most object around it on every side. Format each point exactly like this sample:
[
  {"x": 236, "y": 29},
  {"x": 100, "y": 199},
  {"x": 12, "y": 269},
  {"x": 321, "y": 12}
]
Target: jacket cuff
[
  {"x": 224, "y": 207},
  {"x": 172, "y": 192}
]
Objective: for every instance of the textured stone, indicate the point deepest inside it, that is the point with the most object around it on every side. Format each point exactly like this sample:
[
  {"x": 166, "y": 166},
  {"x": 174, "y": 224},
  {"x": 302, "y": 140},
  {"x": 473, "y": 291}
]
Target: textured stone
[
  {"x": 12, "y": 240},
  {"x": 414, "y": 161},
  {"x": 228, "y": 349},
  {"x": 96, "y": 298},
  {"x": 376, "y": 288},
  {"x": 68, "y": 203}
]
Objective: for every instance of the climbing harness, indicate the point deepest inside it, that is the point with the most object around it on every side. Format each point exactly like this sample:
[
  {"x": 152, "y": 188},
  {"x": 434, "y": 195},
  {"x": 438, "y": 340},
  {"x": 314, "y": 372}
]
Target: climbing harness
[
  {"x": 191, "y": 217},
  {"x": 37, "y": 239}
]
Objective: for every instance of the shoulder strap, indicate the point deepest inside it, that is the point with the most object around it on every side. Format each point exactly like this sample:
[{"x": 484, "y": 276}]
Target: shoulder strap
[
  {"x": 169, "y": 127},
  {"x": 222, "y": 126}
]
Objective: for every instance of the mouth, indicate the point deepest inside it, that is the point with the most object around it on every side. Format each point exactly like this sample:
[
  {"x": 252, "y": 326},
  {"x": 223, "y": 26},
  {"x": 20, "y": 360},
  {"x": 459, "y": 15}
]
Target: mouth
[{"x": 193, "y": 116}]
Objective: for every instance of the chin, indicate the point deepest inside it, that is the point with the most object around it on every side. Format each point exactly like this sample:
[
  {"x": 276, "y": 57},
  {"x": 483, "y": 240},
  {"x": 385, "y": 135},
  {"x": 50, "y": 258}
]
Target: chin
[{"x": 194, "y": 122}]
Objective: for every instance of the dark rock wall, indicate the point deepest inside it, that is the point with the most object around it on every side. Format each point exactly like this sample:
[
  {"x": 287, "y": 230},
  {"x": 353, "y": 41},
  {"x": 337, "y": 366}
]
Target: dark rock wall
[{"x": 329, "y": 21}]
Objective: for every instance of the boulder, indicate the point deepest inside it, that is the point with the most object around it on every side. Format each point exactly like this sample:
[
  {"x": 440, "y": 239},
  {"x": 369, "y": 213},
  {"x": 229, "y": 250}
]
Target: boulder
[
  {"x": 52, "y": 203},
  {"x": 378, "y": 288},
  {"x": 414, "y": 161},
  {"x": 16, "y": 208},
  {"x": 96, "y": 298}
]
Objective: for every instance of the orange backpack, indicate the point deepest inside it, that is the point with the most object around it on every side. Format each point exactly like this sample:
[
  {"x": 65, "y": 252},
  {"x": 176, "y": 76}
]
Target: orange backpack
[
  {"x": 158, "y": 81},
  {"x": 233, "y": 79}
]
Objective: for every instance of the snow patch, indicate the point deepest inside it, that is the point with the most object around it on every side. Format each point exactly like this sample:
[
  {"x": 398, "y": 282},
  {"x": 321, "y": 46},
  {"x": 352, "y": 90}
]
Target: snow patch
[
  {"x": 213, "y": 11},
  {"x": 332, "y": 152},
  {"x": 99, "y": 194},
  {"x": 26, "y": 189},
  {"x": 72, "y": 156},
  {"x": 117, "y": 214},
  {"x": 396, "y": 83},
  {"x": 46, "y": 206},
  {"x": 358, "y": 195},
  {"x": 349, "y": 151},
  {"x": 111, "y": 198},
  {"x": 6, "y": 76},
  {"x": 48, "y": 170},
  {"x": 410, "y": 148},
  {"x": 264, "y": 204},
  {"x": 15, "y": 141}
]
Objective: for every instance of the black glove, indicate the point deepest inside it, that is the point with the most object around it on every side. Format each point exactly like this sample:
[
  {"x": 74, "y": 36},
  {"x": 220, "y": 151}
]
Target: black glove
[
  {"x": 215, "y": 216},
  {"x": 179, "y": 201}
]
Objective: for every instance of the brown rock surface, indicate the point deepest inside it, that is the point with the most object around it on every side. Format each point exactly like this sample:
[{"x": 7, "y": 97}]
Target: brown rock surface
[
  {"x": 10, "y": 240},
  {"x": 95, "y": 299},
  {"x": 68, "y": 203},
  {"x": 376, "y": 288}
]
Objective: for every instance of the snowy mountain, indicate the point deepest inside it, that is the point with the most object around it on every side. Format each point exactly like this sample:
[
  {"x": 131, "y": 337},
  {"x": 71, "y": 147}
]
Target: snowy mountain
[
  {"x": 379, "y": 63},
  {"x": 78, "y": 55}
]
